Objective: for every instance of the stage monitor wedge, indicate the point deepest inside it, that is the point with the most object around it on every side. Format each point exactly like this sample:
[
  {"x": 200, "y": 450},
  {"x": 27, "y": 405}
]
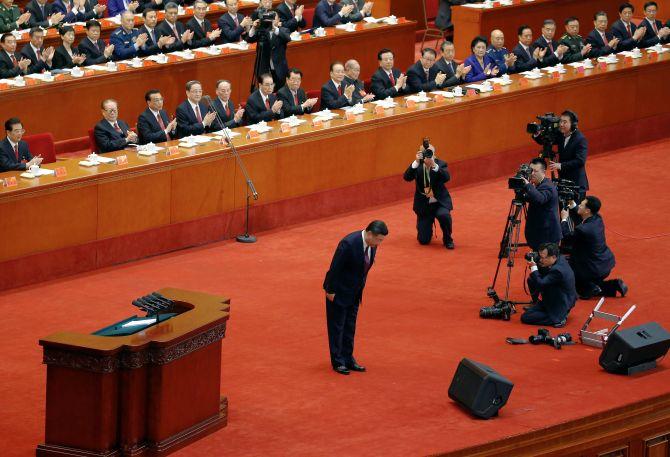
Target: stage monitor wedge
[
  {"x": 479, "y": 389},
  {"x": 635, "y": 349}
]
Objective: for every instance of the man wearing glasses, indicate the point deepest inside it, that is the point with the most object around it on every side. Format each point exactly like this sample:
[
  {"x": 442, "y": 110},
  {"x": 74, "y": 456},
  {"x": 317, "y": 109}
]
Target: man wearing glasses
[
  {"x": 262, "y": 104},
  {"x": 111, "y": 133}
]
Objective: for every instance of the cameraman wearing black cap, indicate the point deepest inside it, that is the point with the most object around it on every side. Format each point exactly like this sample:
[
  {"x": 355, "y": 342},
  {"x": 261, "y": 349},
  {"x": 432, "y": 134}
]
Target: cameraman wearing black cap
[
  {"x": 431, "y": 197},
  {"x": 591, "y": 259}
]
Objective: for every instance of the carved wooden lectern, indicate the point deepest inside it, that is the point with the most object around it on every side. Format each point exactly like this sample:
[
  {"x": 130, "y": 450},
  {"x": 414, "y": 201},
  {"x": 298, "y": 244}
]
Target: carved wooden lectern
[{"x": 149, "y": 393}]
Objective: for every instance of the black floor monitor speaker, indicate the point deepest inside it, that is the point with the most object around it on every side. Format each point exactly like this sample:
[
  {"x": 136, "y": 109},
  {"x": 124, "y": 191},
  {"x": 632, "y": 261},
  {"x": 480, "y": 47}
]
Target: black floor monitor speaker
[
  {"x": 479, "y": 389},
  {"x": 635, "y": 349}
]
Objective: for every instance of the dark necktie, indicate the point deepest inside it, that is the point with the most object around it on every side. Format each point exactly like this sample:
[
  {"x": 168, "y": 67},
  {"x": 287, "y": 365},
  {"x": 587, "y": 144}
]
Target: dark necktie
[
  {"x": 14, "y": 62},
  {"x": 16, "y": 151},
  {"x": 392, "y": 78},
  {"x": 604, "y": 38},
  {"x": 628, "y": 29},
  {"x": 653, "y": 26},
  {"x": 227, "y": 108},
  {"x": 174, "y": 32},
  {"x": 295, "y": 99},
  {"x": 38, "y": 53},
  {"x": 162, "y": 124},
  {"x": 366, "y": 260},
  {"x": 152, "y": 34},
  {"x": 237, "y": 23},
  {"x": 197, "y": 113},
  {"x": 117, "y": 128},
  {"x": 339, "y": 89},
  {"x": 551, "y": 46},
  {"x": 427, "y": 73},
  {"x": 267, "y": 102}
]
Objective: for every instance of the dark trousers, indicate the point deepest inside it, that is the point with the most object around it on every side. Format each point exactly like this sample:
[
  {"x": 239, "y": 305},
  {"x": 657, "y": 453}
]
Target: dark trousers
[
  {"x": 537, "y": 315},
  {"x": 424, "y": 223},
  {"x": 588, "y": 287},
  {"x": 341, "y": 330}
]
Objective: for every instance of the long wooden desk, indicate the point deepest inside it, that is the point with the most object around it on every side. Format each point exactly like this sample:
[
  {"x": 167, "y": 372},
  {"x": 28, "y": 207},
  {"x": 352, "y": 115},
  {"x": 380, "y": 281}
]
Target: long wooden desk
[
  {"x": 107, "y": 214},
  {"x": 470, "y": 22},
  {"x": 72, "y": 105}
]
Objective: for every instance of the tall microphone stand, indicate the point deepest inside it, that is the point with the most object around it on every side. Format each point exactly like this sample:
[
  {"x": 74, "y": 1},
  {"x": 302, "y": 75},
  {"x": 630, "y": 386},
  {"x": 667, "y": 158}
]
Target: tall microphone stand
[{"x": 251, "y": 190}]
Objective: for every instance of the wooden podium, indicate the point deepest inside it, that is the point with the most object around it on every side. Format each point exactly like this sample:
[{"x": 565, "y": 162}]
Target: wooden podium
[{"x": 149, "y": 393}]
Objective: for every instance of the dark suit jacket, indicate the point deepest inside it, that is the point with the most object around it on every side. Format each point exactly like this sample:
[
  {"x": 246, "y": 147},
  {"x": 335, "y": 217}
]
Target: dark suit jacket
[
  {"x": 62, "y": 58},
  {"x": 148, "y": 129},
  {"x": 417, "y": 81},
  {"x": 524, "y": 61},
  {"x": 289, "y": 107},
  {"x": 542, "y": 222},
  {"x": 288, "y": 19},
  {"x": 107, "y": 138},
  {"x": 381, "y": 84},
  {"x": 356, "y": 15},
  {"x": 8, "y": 160},
  {"x": 331, "y": 98},
  {"x": 7, "y": 68},
  {"x": 199, "y": 35},
  {"x": 150, "y": 48},
  {"x": 37, "y": 19},
  {"x": 89, "y": 13},
  {"x": 277, "y": 52},
  {"x": 598, "y": 47},
  {"x": 556, "y": 285},
  {"x": 94, "y": 56},
  {"x": 36, "y": 65},
  {"x": 590, "y": 258},
  {"x": 626, "y": 41},
  {"x": 346, "y": 276},
  {"x": 550, "y": 58},
  {"x": 227, "y": 119},
  {"x": 230, "y": 33},
  {"x": 358, "y": 84},
  {"x": 573, "y": 159},
  {"x": 449, "y": 69},
  {"x": 164, "y": 29},
  {"x": 256, "y": 111},
  {"x": 650, "y": 38},
  {"x": 438, "y": 179},
  {"x": 326, "y": 15},
  {"x": 187, "y": 122}
]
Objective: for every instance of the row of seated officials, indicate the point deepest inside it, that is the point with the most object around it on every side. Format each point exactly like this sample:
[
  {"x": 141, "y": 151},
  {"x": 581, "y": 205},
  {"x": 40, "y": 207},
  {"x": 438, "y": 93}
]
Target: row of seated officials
[{"x": 152, "y": 37}]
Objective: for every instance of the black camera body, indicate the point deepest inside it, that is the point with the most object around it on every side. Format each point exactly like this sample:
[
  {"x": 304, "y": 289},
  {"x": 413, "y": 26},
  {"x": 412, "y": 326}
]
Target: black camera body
[
  {"x": 544, "y": 337},
  {"x": 567, "y": 190},
  {"x": 427, "y": 153},
  {"x": 517, "y": 182},
  {"x": 500, "y": 310},
  {"x": 534, "y": 256},
  {"x": 266, "y": 19},
  {"x": 547, "y": 131}
]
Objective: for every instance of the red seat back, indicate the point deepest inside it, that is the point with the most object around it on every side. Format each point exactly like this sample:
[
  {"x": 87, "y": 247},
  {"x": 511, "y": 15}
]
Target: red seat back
[
  {"x": 431, "y": 9},
  {"x": 308, "y": 16},
  {"x": 93, "y": 145},
  {"x": 315, "y": 94},
  {"x": 106, "y": 12},
  {"x": 42, "y": 144}
]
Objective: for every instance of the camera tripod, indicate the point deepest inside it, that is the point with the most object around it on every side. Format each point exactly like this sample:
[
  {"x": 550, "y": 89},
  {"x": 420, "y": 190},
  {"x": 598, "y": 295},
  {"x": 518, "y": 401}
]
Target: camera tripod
[{"x": 509, "y": 245}]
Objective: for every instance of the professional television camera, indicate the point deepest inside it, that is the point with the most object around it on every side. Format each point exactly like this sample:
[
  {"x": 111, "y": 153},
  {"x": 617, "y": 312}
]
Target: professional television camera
[
  {"x": 516, "y": 182},
  {"x": 547, "y": 131}
]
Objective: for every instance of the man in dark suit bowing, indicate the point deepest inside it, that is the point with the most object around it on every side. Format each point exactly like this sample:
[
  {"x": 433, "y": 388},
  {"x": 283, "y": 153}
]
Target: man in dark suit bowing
[
  {"x": 336, "y": 94},
  {"x": 431, "y": 197},
  {"x": 387, "y": 81},
  {"x": 234, "y": 26},
  {"x": 625, "y": 30},
  {"x": 14, "y": 152},
  {"x": 153, "y": 124},
  {"x": 224, "y": 106},
  {"x": 111, "y": 133},
  {"x": 542, "y": 224},
  {"x": 290, "y": 15},
  {"x": 262, "y": 104},
  {"x": 293, "y": 97},
  {"x": 203, "y": 35},
  {"x": 344, "y": 284},
  {"x": 423, "y": 76},
  {"x": 172, "y": 27},
  {"x": 93, "y": 47},
  {"x": 602, "y": 42},
  {"x": 40, "y": 59},
  {"x": 446, "y": 64},
  {"x": 193, "y": 116}
]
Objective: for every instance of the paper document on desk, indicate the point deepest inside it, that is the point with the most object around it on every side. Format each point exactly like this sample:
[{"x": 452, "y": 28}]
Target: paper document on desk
[
  {"x": 293, "y": 121},
  {"x": 221, "y": 133},
  {"x": 188, "y": 55},
  {"x": 261, "y": 127},
  {"x": 241, "y": 46},
  {"x": 358, "y": 108},
  {"x": 421, "y": 97},
  {"x": 632, "y": 54},
  {"x": 532, "y": 74},
  {"x": 504, "y": 81},
  {"x": 211, "y": 50},
  {"x": 348, "y": 27},
  {"x": 325, "y": 115},
  {"x": 480, "y": 87},
  {"x": 386, "y": 103},
  {"x": 46, "y": 76},
  {"x": 443, "y": 93},
  {"x": 37, "y": 173},
  {"x": 558, "y": 68},
  {"x": 373, "y": 20},
  {"x": 116, "y": 19},
  {"x": 14, "y": 81},
  {"x": 478, "y": 6},
  {"x": 197, "y": 139},
  {"x": 658, "y": 49},
  {"x": 102, "y": 68}
]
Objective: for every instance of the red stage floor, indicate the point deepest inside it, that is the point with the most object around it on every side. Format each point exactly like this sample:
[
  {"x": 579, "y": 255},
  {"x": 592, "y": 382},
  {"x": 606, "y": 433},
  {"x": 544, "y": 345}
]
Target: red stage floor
[{"x": 418, "y": 319}]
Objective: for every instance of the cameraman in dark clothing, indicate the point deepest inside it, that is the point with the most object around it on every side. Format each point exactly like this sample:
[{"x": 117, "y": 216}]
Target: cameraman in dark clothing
[
  {"x": 554, "y": 282},
  {"x": 431, "y": 197},
  {"x": 542, "y": 223},
  {"x": 591, "y": 259}
]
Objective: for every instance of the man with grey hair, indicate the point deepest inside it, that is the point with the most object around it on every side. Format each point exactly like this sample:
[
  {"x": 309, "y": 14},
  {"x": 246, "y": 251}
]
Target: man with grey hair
[
  {"x": 446, "y": 64},
  {"x": 111, "y": 133},
  {"x": 127, "y": 40},
  {"x": 193, "y": 116},
  {"x": 172, "y": 27},
  {"x": 352, "y": 71}
]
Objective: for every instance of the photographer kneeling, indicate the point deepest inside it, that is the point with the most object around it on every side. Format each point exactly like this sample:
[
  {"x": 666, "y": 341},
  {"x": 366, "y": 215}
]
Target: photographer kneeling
[
  {"x": 542, "y": 224},
  {"x": 591, "y": 259},
  {"x": 554, "y": 283},
  {"x": 431, "y": 197}
]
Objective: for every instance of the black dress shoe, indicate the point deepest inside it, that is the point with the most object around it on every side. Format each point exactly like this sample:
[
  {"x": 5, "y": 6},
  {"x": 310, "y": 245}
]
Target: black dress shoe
[
  {"x": 449, "y": 244},
  {"x": 356, "y": 367},
  {"x": 621, "y": 287},
  {"x": 341, "y": 369},
  {"x": 561, "y": 324}
]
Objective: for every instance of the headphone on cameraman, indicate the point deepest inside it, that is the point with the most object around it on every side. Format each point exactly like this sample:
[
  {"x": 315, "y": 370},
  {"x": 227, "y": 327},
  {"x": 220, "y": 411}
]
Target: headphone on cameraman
[{"x": 573, "y": 119}]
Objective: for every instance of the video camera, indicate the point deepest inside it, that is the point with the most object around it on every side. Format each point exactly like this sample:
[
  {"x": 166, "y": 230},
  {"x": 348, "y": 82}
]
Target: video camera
[
  {"x": 547, "y": 131},
  {"x": 544, "y": 337},
  {"x": 427, "y": 153},
  {"x": 517, "y": 182},
  {"x": 567, "y": 190},
  {"x": 266, "y": 19}
]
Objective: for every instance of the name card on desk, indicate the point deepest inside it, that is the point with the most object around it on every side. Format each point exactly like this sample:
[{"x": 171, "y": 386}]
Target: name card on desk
[
  {"x": 285, "y": 127},
  {"x": 602, "y": 65},
  {"x": 122, "y": 160},
  {"x": 380, "y": 110},
  {"x": 496, "y": 87},
  {"x": 317, "y": 123},
  {"x": 555, "y": 75},
  {"x": 60, "y": 172},
  {"x": 438, "y": 98},
  {"x": 172, "y": 151},
  {"x": 628, "y": 60},
  {"x": 523, "y": 82},
  {"x": 253, "y": 135},
  {"x": 349, "y": 116},
  {"x": 653, "y": 56},
  {"x": 9, "y": 182},
  {"x": 471, "y": 93},
  {"x": 410, "y": 104}
]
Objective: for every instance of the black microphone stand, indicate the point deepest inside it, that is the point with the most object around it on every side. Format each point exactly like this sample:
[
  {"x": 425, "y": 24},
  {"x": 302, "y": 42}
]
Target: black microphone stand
[{"x": 251, "y": 190}]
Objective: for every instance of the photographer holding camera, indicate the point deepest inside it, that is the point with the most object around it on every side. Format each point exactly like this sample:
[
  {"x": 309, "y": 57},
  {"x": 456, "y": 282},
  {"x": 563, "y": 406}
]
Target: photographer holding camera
[
  {"x": 542, "y": 224},
  {"x": 554, "y": 283},
  {"x": 272, "y": 40},
  {"x": 431, "y": 197},
  {"x": 591, "y": 260}
]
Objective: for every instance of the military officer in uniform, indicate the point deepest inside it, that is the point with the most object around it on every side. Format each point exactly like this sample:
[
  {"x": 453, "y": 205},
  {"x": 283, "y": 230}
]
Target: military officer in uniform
[
  {"x": 127, "y": 40},
  {"x": 11, "y": 18},
  {"x": 577, "y": 50}
]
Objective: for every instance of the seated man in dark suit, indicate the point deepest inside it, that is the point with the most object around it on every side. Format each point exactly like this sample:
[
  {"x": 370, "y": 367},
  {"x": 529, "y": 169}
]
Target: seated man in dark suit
[
  {"x": 14, "y": 152},
  {"x": 655, "y": 33},
  {"x": 335, "y": 93},
  {"x": 172, "y": 27},
  {"x": 591, "y": 260},
  {"x": 154, "y": 124},
  {"x": 80, "y": 10},
  {"x": 526, "y": 57},
  {"x": 602, "y": 42},
  {"x": 328, "y": 13},
  {"x": 234, "y": 26},
  {"x": 423, "y": 76},
  {"x": 11, "y": 63},
  {"x": 193, "y": 116},
  {"x": 262, "y": 104},
  {"x": 273, "y": 58},
  {"x": 111, "y": 133},
  {"x": 446, "y": 64},
  {"x": 387, "y": 81},
  {"x": 290, "y": 15},
  {"x": 542, "y": 224},
  {"x": 293, "y": 98},
  {"x": 40, "y": 58},
  {"x": 203, "y": 35},
  {"x": 43, "y": 14},
  {"x": 154, "y": 44},
  {"x": 352, "y": 70},
  {"x": 361, "y": 9},
  {"x": 554, "y": 283},
  {"x": 225, "y": 107},
  {"x": 93, "y": 47},
  {"x": 554, "y": 52},
  {"x": 625, "y": 30}
]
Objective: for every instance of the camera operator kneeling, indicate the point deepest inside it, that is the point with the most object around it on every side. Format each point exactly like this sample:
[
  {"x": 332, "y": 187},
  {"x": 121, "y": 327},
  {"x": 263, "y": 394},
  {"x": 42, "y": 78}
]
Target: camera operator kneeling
[
  {"x": 591, "y": 259},
  {"x": 554, "y": 282}
]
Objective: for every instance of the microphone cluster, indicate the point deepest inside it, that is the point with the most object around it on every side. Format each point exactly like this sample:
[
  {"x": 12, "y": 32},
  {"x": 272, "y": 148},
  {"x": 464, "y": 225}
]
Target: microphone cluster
[{"x": 153, "y": 303}]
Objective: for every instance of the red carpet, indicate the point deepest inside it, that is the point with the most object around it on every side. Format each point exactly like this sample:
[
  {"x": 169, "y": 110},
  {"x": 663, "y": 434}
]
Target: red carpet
[{"x": 418, "y": 319}]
